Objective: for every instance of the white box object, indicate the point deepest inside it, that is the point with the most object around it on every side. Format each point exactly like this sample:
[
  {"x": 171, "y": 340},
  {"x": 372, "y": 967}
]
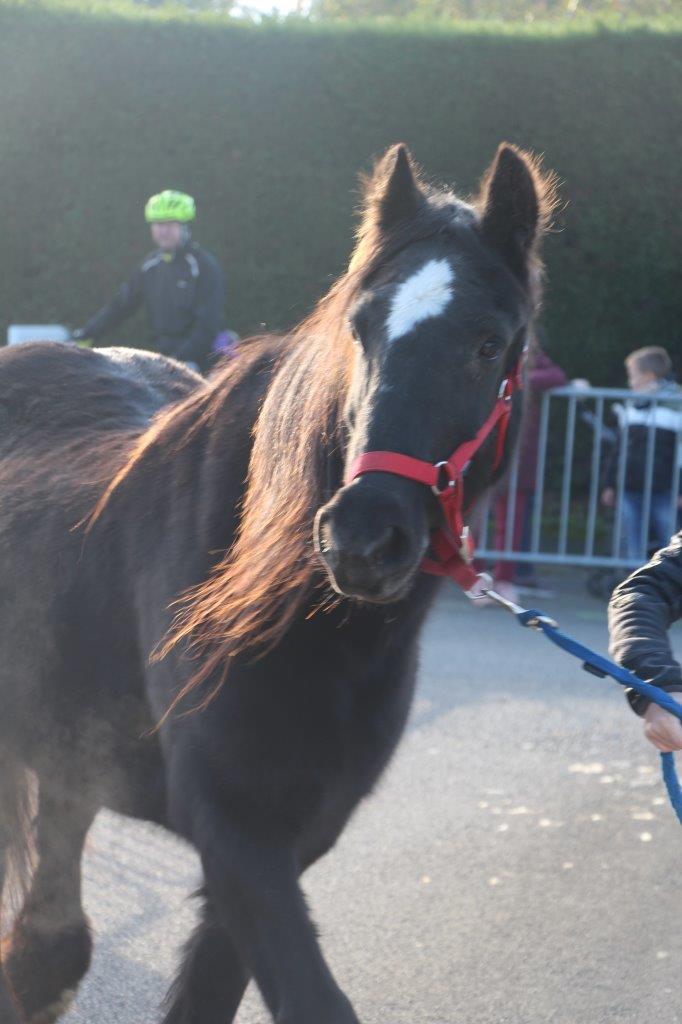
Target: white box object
[{"x": 18, "y": 333}]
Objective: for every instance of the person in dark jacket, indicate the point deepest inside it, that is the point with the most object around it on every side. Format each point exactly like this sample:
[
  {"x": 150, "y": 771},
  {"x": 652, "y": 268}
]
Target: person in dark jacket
[
  {"x": 179, "y": 283},
  {"x": 641, "y": 611},
  {"x": 648, "y": 371}
]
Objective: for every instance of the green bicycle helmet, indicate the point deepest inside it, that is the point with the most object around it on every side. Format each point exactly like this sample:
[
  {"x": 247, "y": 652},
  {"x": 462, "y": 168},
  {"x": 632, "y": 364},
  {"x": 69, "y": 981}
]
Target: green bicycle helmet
[{"x": 170, "y": 205}]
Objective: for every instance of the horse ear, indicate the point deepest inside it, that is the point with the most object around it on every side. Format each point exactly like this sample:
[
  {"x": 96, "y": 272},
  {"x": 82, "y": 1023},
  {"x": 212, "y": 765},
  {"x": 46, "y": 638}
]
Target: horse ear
[
  {"x": 394, "y": 194},
  {"x": 511, "y": 203}
]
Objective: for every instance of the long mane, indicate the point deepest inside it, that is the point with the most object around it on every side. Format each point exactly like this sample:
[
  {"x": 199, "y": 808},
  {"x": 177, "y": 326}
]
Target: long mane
[
  {"x": 258, "y": 588},
  {"x": 269, "y": 575}
]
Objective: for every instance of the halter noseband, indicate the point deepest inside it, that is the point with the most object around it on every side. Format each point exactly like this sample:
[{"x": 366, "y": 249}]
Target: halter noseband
[{"x": 451, "y": 545}]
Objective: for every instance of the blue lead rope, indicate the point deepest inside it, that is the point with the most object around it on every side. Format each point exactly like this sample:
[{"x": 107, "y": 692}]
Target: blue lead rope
[
  {"x": 600, "y": 666},
  {"x": 597, "y": 665}
]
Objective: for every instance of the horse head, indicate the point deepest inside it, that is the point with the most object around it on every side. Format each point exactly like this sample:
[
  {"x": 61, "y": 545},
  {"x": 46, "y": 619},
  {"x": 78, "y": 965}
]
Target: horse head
[{"x": 440, "y": 310}]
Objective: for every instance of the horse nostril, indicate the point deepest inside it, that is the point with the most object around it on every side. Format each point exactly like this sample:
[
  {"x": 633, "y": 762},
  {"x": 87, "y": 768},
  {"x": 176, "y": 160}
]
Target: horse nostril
[
  {"x": 388, "y": 549},
  {"x": 322, "y": 536}
]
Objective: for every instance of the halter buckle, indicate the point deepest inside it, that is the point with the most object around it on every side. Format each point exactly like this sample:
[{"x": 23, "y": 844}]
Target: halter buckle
[{"x": 503, "y": 393}]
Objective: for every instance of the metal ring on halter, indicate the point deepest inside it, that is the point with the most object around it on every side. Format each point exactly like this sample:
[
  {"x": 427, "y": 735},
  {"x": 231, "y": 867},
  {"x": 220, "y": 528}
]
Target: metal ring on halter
[
  {"x": 503, "y": 388},
  {"x": 536, "y": 622},
  {"x": 450, "y": 483}
]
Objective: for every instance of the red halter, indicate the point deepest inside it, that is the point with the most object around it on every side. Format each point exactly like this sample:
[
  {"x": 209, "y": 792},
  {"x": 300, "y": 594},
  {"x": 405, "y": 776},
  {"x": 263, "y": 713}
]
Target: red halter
[{"x": 451, "y": 545}]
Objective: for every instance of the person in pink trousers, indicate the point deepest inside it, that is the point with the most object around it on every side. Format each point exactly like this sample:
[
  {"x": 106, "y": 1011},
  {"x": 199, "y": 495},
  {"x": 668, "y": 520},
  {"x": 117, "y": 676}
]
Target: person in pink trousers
[{"x": 541, "y": 374}]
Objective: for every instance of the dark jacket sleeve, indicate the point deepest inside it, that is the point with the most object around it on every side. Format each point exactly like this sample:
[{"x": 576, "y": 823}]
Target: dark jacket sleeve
[
  {"x": 609, "y": 473},
  {"x": 641, "y": 611},
  {"x": 124, "y": 303},
  {"x": 209, "y": 313},
  {"x": 609, "y": 470}
]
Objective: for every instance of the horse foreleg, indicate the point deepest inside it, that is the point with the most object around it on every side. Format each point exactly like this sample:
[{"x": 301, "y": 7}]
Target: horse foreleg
[
  {"x": 212, "y": 979},
  {"x": 9, "y": 1008},
  {"x": 50, "y": 945},
  {"x": 254, "y": 891}
]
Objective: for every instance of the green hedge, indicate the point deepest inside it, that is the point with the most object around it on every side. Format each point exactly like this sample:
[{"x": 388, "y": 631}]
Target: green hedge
[{"x": 268, "y": 126}]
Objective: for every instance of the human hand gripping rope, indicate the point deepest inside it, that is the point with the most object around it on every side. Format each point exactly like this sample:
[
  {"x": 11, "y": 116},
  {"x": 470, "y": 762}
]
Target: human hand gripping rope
[{"x": 600, "y": 666}]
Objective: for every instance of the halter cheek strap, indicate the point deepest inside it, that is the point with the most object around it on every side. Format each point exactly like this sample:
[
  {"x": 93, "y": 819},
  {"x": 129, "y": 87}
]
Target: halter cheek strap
[{"x": 451, "y": 544}]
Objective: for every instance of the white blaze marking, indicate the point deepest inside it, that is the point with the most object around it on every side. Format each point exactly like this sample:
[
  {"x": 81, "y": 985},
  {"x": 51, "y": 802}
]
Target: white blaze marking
[{"x": 422, "y": 296}]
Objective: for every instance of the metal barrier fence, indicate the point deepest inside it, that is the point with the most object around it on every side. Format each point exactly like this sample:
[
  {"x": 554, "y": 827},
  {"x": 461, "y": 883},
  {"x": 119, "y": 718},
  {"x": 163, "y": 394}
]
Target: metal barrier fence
[{"x": 564, "y": 519}]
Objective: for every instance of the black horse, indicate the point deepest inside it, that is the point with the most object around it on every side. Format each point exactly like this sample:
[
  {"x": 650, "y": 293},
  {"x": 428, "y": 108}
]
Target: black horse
[{"x": 253, "y": 716}]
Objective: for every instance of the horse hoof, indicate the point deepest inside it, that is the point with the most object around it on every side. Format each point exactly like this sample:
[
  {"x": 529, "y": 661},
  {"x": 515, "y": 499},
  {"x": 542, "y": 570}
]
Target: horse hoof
[{"x": 52, "y": 1013}]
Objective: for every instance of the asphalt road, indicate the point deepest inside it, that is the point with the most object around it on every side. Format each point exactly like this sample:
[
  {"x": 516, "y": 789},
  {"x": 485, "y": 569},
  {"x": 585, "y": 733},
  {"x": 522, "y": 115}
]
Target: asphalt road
[{"x": 519, "y": 863}]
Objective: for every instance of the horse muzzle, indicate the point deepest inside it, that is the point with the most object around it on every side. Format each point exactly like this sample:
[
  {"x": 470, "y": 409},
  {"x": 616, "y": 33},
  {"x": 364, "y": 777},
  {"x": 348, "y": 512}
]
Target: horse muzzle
[{"x": 371, "y": 537}]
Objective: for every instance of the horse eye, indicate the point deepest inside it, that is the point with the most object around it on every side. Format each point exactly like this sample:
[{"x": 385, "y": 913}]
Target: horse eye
[
  {"x": 491, "y": 349},
  {"x": 357, "y": 334}
]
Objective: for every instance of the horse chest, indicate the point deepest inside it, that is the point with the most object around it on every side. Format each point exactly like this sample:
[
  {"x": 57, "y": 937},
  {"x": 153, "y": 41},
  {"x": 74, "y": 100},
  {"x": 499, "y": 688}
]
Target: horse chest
[
  {"x": 354, "y": 745},
  {"x": 376, "y": 717}
]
